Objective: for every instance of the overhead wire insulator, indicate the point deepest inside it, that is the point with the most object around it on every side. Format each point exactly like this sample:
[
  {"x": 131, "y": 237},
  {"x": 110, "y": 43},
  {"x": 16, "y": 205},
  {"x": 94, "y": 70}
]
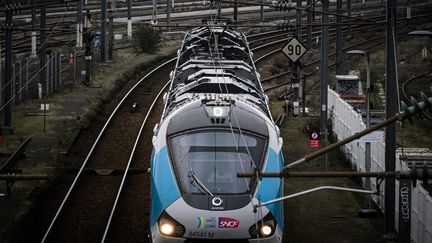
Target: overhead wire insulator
[
  {"x": 405, "y": 108},
  {"x": 426, "y": 101},
  {"x": 416, "y": 106}
]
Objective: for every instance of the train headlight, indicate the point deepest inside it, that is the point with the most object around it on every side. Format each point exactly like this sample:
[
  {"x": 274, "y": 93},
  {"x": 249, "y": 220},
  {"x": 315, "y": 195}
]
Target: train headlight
[
  {"x": 266, "y": 227},
  {"x": 266, "y": 230},
  {"x": 169, "y": 226},
  {"x": 166, "y": 229}
]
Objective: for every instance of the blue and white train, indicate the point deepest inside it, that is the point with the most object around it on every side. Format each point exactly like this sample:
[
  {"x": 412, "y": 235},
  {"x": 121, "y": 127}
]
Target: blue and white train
[{"x": 216, "y": 123}]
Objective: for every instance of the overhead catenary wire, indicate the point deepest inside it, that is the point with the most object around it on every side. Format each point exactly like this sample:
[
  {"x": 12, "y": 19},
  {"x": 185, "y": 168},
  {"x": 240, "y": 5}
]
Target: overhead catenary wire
[
  {"x": 259, "y": 214},
  {"x": 299, "y": 8},
  {"x": 229, "y": 120}
]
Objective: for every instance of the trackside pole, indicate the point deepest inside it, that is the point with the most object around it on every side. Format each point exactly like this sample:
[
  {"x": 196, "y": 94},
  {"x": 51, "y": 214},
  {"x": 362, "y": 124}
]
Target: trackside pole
[{"x": 391, "y": 108}]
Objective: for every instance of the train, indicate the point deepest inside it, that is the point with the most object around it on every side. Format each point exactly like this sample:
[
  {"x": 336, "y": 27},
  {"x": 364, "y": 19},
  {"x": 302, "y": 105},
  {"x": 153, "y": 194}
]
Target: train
[{"x": 215, "y": 123}]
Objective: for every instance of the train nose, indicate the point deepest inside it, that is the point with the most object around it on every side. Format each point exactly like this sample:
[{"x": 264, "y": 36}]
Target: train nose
[
  {"x": 232, "y": 228},
  {"x": 183, "y": 222}
]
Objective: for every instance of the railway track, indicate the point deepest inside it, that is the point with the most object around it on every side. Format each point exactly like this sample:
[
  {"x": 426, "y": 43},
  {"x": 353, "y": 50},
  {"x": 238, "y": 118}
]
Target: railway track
[
  {"x": 24, "y": 46},
  {"x": 88, "y": 205},
  {"x": 377, "y": 41},
  {"x": 88, "y": 209}
]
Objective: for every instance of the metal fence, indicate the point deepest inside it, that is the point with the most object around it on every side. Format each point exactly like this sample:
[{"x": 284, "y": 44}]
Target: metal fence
[
  {"x": 62, "y": 70},
  {"x": 345, "y": 122}
]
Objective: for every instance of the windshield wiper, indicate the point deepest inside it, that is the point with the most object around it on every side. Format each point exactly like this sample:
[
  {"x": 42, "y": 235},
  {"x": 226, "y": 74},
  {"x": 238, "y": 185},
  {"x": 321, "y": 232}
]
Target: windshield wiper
[{"x": 197, "y": 182}]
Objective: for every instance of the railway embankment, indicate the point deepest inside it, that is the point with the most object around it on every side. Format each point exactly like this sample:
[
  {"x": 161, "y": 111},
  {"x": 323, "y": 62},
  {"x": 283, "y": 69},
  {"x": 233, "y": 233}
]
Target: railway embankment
[
  {"x": 72, "y": 112},
  {"x": 326, "y": 216}
]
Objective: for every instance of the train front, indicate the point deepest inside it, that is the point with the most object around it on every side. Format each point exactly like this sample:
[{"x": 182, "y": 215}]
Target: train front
[
  {"x": 196, "y": 193},
  {"x": 211, "y": 130}
]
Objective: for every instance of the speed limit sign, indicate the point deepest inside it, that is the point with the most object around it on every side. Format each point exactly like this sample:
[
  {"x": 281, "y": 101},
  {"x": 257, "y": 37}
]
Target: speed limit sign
[{"x": 294, "y": 49}]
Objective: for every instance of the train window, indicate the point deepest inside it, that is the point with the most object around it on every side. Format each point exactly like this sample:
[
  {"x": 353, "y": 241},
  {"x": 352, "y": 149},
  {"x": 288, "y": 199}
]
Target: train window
[{"x": 208, "y": 161}]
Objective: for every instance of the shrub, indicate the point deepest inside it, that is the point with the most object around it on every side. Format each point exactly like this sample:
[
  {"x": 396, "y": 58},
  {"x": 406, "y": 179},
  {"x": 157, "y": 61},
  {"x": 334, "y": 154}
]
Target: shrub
[{"x": 146, "y": 39}]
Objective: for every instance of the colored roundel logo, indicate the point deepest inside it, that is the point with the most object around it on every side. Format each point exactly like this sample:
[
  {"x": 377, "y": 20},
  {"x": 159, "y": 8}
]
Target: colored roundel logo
[{"x": 314, "y": 136}]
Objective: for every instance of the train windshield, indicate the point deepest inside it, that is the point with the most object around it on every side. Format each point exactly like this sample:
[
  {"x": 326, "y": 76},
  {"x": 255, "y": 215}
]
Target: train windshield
[{"x": 207, "y": 161}]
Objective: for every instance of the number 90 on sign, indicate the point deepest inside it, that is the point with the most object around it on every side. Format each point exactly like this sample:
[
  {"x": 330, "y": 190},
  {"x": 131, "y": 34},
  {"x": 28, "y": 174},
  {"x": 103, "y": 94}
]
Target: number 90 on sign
[{"x": 294, "y": 49}]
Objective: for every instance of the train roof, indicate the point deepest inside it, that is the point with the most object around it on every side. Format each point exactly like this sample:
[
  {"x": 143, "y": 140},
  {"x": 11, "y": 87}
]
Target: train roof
[
  {"x": 201, "y": 114},
  {"x": 215, "y": 60}
]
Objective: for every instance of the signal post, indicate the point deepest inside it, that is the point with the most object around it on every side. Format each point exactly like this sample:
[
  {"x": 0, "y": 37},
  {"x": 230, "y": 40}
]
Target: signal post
[{"x": 294, "y": 50}]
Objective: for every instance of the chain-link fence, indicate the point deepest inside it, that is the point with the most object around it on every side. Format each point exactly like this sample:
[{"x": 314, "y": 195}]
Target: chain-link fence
[
  {"x": 345, "y": 122},
  {"x": 64, "y": 67}
]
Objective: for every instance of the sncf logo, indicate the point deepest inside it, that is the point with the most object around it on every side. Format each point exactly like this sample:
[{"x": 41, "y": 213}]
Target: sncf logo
[{"x": 225, "y": 222}]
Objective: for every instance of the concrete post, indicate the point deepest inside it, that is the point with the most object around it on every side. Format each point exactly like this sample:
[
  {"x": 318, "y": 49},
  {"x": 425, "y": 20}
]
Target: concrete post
[
  {"x": 168, "y": 15},
  {"x": 154, "y": 12},
  {"x": 103, "y": 29},
  {"x": 338, "y": 36},
  {"x": 13, "y": 83},
  {"x": 129, "y": 22},
  {"x": 42, "y": 49},
  {"x": 79, "y": 24},
  {"x": 324, "y": 66},
  {"x": 59, "y": 67},
  {"x": 26, "y": 78},
  {"x": 33, "y": 34},
  {"x": 262, "y": 12},
  {"x": 110, "y": 35},
  {"x": 349, "y": 19},
  {"x": 309, "y": 27},
  {"x": 19, "y": 81},
  {"x": 8, "y": 63},
  {"x": 46, "y": 82},
  {"x": 235, "y": 10}
]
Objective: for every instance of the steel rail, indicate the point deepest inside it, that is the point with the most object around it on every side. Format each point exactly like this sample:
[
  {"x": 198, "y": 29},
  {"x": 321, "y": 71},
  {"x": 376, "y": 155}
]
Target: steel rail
[
  {"x": 59, "y": 210},
  {"x": 15, "y": 155},
  {"x": 315, "y": 61},
  {"x": 283, "y": 40},
  {"x": 130, "y": 160},
  {"x": 418, "y": 16},
  {"x": 332, "y": 64},
  {"x": 94, "y": 146}
]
